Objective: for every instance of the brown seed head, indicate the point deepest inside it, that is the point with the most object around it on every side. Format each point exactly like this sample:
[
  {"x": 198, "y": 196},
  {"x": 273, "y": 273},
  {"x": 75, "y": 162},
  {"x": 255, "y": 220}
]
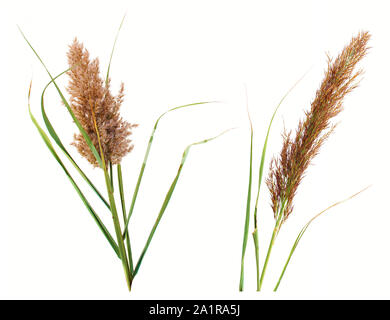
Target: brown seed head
[
  {"x": 90, "y": 98},
  {"x": 288, "y": 170}
]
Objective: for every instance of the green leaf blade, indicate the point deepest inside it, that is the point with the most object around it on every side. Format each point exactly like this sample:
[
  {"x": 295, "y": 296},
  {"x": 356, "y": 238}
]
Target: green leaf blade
[
  {"x": 58, "y": 141},
  {"x": 49, "y": 145}
]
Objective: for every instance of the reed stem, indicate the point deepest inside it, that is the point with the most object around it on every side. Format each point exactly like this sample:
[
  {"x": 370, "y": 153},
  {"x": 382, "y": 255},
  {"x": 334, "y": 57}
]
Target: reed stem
[
  {"x": 118, "y": 231},
  {"x": 271, "y": 244},
  {"x": 123, "y": 204},
  {"x": 115, "y": 218}
]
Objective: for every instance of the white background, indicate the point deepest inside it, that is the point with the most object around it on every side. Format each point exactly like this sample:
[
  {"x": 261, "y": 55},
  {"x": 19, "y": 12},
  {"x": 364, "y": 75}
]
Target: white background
[{"x": 171, "y": 53}]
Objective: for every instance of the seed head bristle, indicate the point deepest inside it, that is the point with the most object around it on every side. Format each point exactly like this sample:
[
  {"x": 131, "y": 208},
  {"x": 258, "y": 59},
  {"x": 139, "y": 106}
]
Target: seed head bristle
[
  {"x": 87, "y": 90},
  {"x": 288, "y": 169}
]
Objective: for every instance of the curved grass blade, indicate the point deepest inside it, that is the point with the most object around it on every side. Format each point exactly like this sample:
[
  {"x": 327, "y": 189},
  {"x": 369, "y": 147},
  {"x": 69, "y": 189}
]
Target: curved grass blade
[
  {"x": 49, "y": 145},
  {"x": 248, "y": 202},
  {"x": 168, "y": 197},
  {"x": 80, "y": 127},
  {"x": 303, "y": 230},
  {"x": 107, "y": 78},
  {"x": 58, "y": 141},
  {"x": 141, "y": 173},
  {"x": 261, "y": 170}
]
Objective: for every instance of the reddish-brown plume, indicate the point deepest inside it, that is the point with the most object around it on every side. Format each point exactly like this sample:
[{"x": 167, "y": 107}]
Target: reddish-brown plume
[
  {"x": 91, "y": 98},
  {"x": 288, "y": 169}
]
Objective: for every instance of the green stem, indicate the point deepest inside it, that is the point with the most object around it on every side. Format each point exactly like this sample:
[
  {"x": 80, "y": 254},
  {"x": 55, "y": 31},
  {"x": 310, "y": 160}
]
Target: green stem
[
  {"x": 271, "y": 244},
  {"x": 118, "y": 231},
  {"x": 115, "y": 218},
  {"x": 120, "y": 184}
]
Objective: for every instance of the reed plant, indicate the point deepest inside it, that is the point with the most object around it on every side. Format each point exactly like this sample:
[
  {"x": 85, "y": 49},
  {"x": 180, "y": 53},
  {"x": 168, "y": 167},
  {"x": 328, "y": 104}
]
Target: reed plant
[
  {"x": 103, "y": 139},
  {"x": 289, "y": 167}
]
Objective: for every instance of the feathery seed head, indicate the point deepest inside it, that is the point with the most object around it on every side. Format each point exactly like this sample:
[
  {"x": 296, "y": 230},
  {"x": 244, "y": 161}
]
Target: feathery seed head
[
  {"x": 288, "y": 170},
  {"x": 91, "y": 101}
]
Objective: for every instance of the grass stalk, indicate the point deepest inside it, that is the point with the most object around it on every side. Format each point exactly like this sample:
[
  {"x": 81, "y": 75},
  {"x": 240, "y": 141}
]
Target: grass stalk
[
  {"x": 123, "y": 205},
  {"x": 118, "y": 231},
  {"x": 115, "y": 218},
  {"x": 271, "y": 244}
]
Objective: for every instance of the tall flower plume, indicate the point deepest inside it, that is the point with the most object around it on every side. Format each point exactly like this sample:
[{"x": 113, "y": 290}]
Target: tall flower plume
[
  {"x": 288, "y": 170},
  {"x": 96, "y": 109}
]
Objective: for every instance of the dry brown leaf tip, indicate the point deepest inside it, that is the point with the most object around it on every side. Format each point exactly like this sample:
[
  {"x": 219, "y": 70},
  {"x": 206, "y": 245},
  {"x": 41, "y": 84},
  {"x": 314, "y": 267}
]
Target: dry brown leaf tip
[
  {"x": 90, "y": 98},
  {"x": 288, "y": 169}
]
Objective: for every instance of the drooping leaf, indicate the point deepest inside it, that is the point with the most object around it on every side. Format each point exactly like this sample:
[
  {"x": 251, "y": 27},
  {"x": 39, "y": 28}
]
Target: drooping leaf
[
  {"x": 303, "y": 230},
  {"x": 168, "y": 197},
  {"x": 141, "y": 173}
]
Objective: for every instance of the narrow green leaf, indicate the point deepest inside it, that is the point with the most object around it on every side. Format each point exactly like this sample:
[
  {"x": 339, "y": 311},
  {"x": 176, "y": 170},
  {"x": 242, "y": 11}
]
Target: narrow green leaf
[
  {"x": 80, "y": 127},
  {"x": 58, "y": 141},
  {"x": 49, "y": 145},
  {"x": 168, "y": 197},
  {"x": 248, "y": 201},
  {"x": 113, "y": 48},
  {"x": 303, "y": 230},
  {"x": 141, "y": 173}
]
